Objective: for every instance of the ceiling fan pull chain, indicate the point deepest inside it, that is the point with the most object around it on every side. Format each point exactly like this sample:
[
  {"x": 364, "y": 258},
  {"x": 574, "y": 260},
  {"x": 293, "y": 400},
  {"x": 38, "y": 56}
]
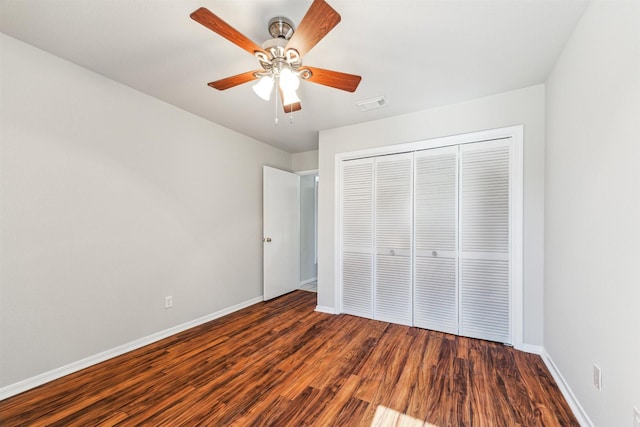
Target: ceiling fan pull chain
[{"x": 276, "y": 104}]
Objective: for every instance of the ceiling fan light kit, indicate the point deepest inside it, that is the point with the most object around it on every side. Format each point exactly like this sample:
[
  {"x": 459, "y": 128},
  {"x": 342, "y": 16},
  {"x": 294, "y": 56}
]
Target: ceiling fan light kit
[
  {"x": 264, "y": 87},
  {"x": 281, "y": 56}
]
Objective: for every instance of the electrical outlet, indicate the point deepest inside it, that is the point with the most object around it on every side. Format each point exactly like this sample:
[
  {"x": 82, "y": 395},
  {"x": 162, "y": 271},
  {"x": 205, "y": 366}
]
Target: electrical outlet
[
  {"x": 168, "y": 301},
  {"x": 636, "y": 417},
  {"x": 597, "y": 377}
]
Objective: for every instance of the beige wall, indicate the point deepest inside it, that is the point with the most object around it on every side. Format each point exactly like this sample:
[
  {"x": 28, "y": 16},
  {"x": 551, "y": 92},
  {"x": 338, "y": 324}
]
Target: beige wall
[
  {"x": 112, "y": 200},
  {"x": 592, "y": 212},
  {"x": 525, "y": 106}
]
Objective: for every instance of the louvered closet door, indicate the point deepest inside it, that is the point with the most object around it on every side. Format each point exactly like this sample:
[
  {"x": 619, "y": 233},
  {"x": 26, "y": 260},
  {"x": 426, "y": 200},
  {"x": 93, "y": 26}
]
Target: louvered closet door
[
  {"x": 484, "y": 212},
  {"x": 393, "y": 238},
  {"x": 436, "y": 236},
  {"x": 357, "y": 237}
]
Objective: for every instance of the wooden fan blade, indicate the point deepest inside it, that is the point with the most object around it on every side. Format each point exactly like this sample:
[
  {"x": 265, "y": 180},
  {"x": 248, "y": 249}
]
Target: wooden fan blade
[
  {"x": 292, "y": 108},
  {"x": 207, "y": 18},
  {"x": 317, "y": 22},
  {"x": 336, "y": 79},
  {"x": 233, "y": 81}
]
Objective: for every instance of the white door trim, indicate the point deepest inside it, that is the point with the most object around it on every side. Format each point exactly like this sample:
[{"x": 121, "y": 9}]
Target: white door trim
[{"x": 517, "y": 210}]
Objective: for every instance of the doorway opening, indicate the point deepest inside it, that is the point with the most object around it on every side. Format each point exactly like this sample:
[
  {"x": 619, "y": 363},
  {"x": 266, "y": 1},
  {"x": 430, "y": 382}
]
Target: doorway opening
[{"x": 309, "y": 230}]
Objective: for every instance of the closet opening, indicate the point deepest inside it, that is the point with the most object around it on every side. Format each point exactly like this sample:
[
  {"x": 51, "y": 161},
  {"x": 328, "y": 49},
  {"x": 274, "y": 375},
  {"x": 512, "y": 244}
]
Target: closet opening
[{"x": 430, "y": 234}]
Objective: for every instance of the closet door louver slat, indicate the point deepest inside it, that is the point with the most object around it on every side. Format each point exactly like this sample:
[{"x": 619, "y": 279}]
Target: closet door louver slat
[
  {"x": 484, "y": 213},
  {"x": 435, "y": 221},
  {"x": 393, "y": 242}
]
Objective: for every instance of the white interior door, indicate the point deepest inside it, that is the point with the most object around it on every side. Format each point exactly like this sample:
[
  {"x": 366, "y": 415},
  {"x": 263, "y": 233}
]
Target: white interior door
[{"x": 281, "y": 232}]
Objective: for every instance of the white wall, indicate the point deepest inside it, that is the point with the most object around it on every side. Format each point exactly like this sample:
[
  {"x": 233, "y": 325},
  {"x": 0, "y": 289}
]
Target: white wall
[
  {"x": 524, "y": 106},
  {"x": 110, "y": 201},
  {"x": 305, "y": 161},
  {"x": 592, "y": 212}
]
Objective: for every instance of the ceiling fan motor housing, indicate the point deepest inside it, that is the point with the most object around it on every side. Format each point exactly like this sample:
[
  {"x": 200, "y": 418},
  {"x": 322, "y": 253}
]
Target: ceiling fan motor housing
[{"x": 280, "y": 28}]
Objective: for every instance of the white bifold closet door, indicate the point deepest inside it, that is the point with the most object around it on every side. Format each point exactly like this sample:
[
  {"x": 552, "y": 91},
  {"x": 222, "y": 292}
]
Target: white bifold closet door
[
  {"x": 436, "y": 239},
  {"x": 393, "y": 225},
  {"x": 426, "y": 239},
  {"x": 485, "y": 285},
  {"x": 357, "y": 237}
]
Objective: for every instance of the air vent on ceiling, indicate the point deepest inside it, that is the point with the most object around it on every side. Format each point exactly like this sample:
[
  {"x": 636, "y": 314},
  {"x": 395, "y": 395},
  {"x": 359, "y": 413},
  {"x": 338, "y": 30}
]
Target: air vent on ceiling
[{"x": 372, "y": 104}]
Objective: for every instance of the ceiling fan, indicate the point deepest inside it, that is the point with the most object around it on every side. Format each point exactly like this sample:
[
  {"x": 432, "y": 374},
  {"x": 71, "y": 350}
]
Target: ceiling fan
[{"x": 281, "y": 56}]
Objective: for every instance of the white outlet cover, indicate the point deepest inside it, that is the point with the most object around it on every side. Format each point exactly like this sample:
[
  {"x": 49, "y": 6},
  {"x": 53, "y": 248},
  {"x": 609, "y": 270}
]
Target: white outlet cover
[{"x": 597, "y": 377}]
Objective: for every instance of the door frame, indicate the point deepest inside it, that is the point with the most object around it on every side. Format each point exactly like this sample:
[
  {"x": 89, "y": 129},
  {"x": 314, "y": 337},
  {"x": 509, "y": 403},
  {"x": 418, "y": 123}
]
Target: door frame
[{"x": 516, "y": 133}]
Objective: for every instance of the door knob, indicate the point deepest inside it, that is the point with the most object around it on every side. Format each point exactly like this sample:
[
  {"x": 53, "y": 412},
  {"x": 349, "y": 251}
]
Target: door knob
[{"x": 267, "y": 239}]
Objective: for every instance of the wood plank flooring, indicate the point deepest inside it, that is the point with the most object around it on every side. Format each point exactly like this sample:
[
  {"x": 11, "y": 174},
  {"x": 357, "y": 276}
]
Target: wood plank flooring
[{"x": 280, "y": 363}]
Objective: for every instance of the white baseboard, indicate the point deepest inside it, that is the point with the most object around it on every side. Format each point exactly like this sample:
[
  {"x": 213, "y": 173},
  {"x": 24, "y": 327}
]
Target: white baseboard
[
  {"x": 573, "y": 403},
  {"x": 575, "y": 406},
  {"x": 325, "y": 309},
  {"x": 29, "y": 383},
  {"x": 530, "y": 348},
  {"x": 305, "y": 282}
]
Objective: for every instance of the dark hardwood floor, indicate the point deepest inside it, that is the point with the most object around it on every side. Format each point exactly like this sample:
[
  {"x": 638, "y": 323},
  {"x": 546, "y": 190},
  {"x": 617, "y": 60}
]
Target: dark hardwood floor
[{"x": 280, "y": 363}]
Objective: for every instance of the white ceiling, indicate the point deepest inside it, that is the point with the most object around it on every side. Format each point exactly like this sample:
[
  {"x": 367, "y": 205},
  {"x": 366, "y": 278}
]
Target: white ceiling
[{"x": 418, "y": 54}]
